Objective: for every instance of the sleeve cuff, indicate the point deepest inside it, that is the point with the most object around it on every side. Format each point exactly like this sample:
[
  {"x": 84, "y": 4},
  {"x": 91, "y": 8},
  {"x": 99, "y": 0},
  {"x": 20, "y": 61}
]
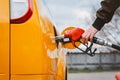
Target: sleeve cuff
[{"x": 98, "y": 23}]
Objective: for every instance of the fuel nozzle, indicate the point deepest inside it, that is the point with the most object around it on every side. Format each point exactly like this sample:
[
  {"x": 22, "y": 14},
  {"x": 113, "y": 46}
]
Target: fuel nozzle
[
  {"x": 75, "y": 35},
  {"x": 62, "y": 39},
  {"x": 59, "y": 37}
]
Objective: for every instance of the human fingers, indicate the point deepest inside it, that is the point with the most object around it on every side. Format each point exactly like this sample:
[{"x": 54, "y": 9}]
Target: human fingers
[
  {"x": 91, "y": 37},
  {"x": 85, "y": 37}
]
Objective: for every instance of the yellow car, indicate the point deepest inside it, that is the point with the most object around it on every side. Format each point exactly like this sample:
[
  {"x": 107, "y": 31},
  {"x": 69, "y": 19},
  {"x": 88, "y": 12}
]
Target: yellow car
[{"x": 28, "y": 49}]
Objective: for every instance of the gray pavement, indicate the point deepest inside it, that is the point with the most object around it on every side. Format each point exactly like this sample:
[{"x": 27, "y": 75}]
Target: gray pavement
[{"x": 92, "y": 76}]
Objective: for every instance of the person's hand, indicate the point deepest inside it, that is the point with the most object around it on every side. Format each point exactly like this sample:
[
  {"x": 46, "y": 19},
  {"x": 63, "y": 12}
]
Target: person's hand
[{"x": 89, "y": 34}]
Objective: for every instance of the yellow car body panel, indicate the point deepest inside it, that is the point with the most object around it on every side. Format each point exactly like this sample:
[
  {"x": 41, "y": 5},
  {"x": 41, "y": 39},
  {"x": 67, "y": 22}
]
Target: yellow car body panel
[
  {"x": 29, "y": 42},
  {"x": 33, "y": 77},
  {"x": 4, "y": 40},
  {"x": 61, "y": 66},
  {"x": 28, "y": 50}
]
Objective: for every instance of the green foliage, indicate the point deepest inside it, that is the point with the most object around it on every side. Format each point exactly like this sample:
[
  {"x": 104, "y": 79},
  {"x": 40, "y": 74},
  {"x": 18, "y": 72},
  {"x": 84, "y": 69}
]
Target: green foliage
[{"x": 86, "y": 70}]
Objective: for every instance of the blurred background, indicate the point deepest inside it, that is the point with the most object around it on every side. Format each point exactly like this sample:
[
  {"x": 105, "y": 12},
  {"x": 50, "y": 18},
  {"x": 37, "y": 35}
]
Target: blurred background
[{"x": 82, "y": 13}]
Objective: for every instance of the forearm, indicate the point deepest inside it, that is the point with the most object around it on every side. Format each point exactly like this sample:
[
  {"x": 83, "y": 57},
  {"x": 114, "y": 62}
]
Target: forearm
[{"x": 105, "y": 13}]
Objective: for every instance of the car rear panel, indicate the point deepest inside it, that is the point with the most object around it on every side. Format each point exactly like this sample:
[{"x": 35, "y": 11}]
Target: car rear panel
[{"x": 4, "y": 40}]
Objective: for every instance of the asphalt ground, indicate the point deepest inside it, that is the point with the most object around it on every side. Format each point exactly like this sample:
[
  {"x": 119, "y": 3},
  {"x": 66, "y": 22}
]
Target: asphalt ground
[{"x": 93, "y": 76}]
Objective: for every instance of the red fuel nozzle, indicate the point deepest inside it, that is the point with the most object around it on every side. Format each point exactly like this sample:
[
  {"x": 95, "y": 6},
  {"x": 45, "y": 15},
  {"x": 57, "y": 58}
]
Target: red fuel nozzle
[{"x": 74, "y": 34}]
